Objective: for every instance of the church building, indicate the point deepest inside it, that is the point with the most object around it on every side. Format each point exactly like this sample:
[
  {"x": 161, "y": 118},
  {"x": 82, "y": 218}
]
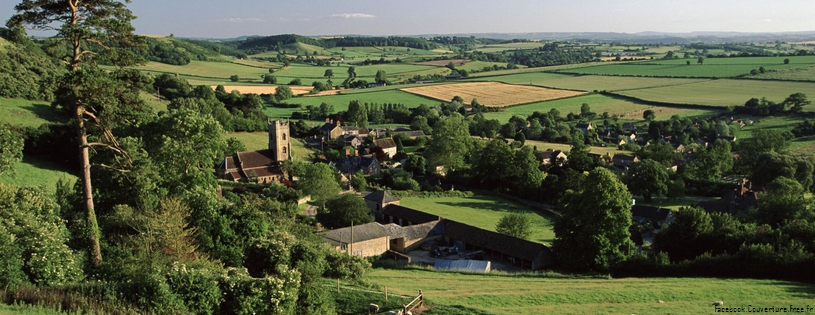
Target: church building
[{"x": 259, "y": 166}]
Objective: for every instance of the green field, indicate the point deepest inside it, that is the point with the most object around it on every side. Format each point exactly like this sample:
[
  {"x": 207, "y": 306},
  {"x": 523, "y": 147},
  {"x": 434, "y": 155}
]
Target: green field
[
  {"x": 255, "y": 141},
  {"x": 340, "y": 101},
  {"x": 479, "y": 65},
  {"x": 507, "y": 294},
  {"x": 33, "y": 171},
  {"x": 724, "y": 92},
  {"x": 625, "y": 109},
  {"x": 804, "y": 73},
  {"x": 796, "y": 61},
  {"x": 25, "y": 113},
  {"x": 483, "y": 212},
  {"x": 510, "y": 46},
  {"x": 674, "y": 70},
  {"x": 587, "y": 82}
]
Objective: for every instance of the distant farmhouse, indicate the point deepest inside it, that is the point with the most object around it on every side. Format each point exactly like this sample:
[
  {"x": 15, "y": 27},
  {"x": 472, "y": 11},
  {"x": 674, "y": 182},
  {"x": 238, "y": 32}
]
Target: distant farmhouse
[
  {"x": 400, "y": 229},
  {"x": 259, "y": 166}
]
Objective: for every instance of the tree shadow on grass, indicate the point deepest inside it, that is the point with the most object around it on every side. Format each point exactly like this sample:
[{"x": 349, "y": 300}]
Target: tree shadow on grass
[
  {"x": 46, "y": 112},
  {"x": 799, "y": 289}
]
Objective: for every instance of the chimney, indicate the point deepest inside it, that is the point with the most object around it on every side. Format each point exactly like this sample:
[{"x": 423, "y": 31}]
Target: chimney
[
  {"x": 347, "y": 152},
  {"x": 356, "y": 152},
  {"x": 327, "y": 120}
]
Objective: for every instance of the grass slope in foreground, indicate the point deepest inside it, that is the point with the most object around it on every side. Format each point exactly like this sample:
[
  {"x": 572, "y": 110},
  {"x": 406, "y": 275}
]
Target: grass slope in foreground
[
  {"x": 32, "y": 171},
  {"x": 506, "y": 294},
  {"x": 483, "y": 212}
]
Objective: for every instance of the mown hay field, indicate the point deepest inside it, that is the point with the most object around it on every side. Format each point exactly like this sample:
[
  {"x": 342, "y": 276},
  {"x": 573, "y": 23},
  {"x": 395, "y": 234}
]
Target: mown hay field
[
  {"x": 724, "y": 92},
  {"x": 483, "y": 212},
  {"x": 674, "y": 70},
  {"x": 491, "y": 93},
  {"x": 219, "y": 70},
  {"x": 587, "y": 82},
  {"x": 625, "y": 109},
  {"x": 512, "y": 294}
]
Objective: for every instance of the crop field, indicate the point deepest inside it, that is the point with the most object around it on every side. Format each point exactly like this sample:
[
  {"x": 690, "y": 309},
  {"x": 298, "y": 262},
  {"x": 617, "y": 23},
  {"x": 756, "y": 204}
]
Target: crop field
[
  {"x": 483, "y": 212},
  {"x": 674, "y": 70},
  {"x": 33, "y": 171},
  {"x": 491, "y": 93},
  {"x": 599, "y": 104},
  {"x": 724, "y": 92},
  {"x": 340, "y": 101},
  {"x": 513, "y": 294},
  {"x": 587, "y": 82},
  {"x": 25, "y": 113}
]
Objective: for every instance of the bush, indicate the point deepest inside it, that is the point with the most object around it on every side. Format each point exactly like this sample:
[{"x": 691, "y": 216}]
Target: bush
[
  {"x": 244, "y": 295},
  {"x": 197, "y": 288}
]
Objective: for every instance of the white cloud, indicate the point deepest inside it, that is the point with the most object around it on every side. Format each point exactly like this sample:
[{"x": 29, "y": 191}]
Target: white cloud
[
  {"x": 242, "y": 20},
  {"x": 354, "y": 15}
]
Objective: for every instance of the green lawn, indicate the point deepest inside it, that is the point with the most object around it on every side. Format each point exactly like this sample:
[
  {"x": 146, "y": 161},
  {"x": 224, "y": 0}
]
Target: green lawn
[
  {"x": 753, "y": 61},
  {"x": 543, "y": 146},
  {"x": 507, "y": 294},
  {"x": 25, "y": 113},
  {"x": 254, "y": 141},
  {"x": 33, "y": 171},
  {"x": 724, "y": 92},
  {"x": 483, "y": 212},
  {"x": 804, "y": 73}
]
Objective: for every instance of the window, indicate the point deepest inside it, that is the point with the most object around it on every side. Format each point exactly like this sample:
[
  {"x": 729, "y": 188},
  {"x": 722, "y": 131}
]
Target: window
[
  {"x": 284, "y": 150},
  {"x": 284, "y": 136}
]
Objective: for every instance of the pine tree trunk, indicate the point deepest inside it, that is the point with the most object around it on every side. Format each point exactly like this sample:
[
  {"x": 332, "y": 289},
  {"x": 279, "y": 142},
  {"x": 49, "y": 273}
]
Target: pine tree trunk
[{"x": 87, "y": 189}]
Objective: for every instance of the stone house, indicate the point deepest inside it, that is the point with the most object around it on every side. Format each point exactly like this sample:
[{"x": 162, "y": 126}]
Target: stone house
[
  {"x": 330, "y": 131},
  {"x": 387, "y": 145},
  {"x": 378, "y": 200},
  {"x": 551, "y": 156},
  {"x": 624, "y": 160}
]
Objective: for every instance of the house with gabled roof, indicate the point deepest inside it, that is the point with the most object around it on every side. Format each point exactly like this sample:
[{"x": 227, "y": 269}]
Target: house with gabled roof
[
  {"x": 551, "y": 157},
  {"x": 330, "y": 131},
  {"x": 653, "y": 215},
  {"x": 584, "y": 127},
  {"x": 350, "y": 165},
  {"x": 387, "y": 145},
  {"x": 378, "y": 200},
  {"x": 624, "y": 160}
]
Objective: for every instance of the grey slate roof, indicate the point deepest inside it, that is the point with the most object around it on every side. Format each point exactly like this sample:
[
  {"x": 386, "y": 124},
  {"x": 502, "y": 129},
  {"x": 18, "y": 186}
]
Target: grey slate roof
[{"x": 381, "y": 197}]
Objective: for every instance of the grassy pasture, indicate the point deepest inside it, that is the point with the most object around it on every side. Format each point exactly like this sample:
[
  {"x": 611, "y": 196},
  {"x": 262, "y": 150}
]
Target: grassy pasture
[
  {"x": 599, "y": 104},
  {"x": 673, "y": 70},
  {"x": 587, "y": 82},
  {"x": 215, "y": 70},
  {"x": 254, "y": 141},
  {"x": 724, "y": 92},
  {"x": 25, "y": 113},
  {"x": 804, "y": 73},
  {"x": 510, "y": 46},
  {"x": 483, "y": 212},
  {"x": 491, "y": 93},
  {"x": 391, "y": 69},
  {"x": 442, "y": 63},
  {"x": 753, "y": 61},
  {"x": 340, "y": 101},
  {"x": 33, "y": 171},
  {"x": 508, "y": 294},
  {"x": 479, "y": 65}
]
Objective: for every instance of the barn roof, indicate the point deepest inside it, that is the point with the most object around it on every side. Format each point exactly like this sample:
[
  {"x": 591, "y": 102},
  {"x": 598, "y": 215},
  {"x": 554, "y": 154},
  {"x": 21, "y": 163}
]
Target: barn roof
[
  {"x": 381, "y": 197},
  {"x": 408, "y": 214},
  {"x": 465, "y": 265},
  {"x": 385, "y": 143},
  {"x": 362, "y": 233},
  {"x": 650, "y": 213},
  {"x": 494, "y": 241}
]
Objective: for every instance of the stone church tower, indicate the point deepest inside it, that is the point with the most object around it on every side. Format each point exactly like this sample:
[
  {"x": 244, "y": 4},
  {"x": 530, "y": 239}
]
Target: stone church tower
[{"x": 279, "y": 140}]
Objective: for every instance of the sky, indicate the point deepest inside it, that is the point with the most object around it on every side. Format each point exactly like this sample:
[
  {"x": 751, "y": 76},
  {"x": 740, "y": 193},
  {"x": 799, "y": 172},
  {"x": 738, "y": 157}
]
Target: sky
[{"x": 229, "y": 19}]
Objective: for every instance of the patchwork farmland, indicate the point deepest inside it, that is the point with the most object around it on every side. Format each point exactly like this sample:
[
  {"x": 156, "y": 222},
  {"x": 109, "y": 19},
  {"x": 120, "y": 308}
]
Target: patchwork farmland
[{"x": 492, "y": 93}]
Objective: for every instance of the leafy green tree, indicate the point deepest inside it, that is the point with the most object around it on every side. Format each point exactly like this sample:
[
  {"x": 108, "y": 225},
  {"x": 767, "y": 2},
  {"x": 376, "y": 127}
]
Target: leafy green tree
[
  {"x": 688, "y": 236},
  {"x": 451, "y": 142},
  {"x": 420, "y": 123},
  {"x": 329, "y": 73},
  {"x": 771, "y": 165},
  {"x": 786, "y": 61},
  {"x": 649, "y": 115},
  {"x": 797, "y": 102},
  {"x": 516, "y": 225},
  {"x": 319, "y": 181},
  {"x": 357, "y": 114},
  {"x": 416, "y": 164},
  {"x": 593, "y": 231},
  {"x": 785, "y": 200},
  {"x": 646, "y": 178},
  {"x": 381, "y": 77},
  {"x": 93, "y": 31},
  {"x": 270, "y": 79},
  {"x": 283, "y": 92},
  {"x": 713, "y": 162},
  {"x": 296, "y": 81},
  {"x": 358, "y": 181},
  {"x": 234, "y": 78},
  {"x": 35, "y": 236},
  {"x": 11, "y": 148},
  {"x": 343, "y": 211},
  {"x": 701, "y": 60}
]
